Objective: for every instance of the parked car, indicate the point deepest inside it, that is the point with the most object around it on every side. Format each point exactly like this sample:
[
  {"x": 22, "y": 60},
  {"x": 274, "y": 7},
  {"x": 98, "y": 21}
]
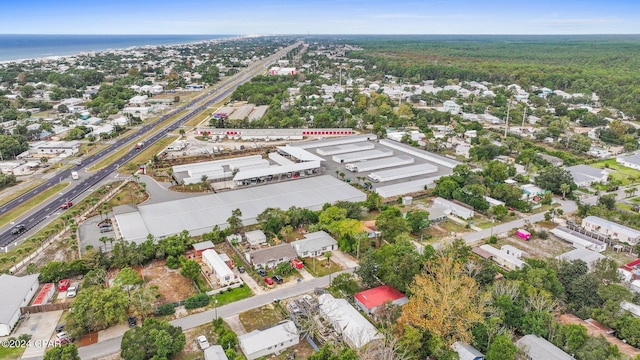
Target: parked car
[
  {"x": 132, "y": 321},
  {"x": 241, "y": 269},
  {"x": 72, "y": 291},
  {"x": 62, "y": 341},
  {"x": 262, "y": 272},
  {"x": 268, "y": 280},
  {"x": 60, "y": 327},
  {"x": 18, "y": 229},
  {"x": 278, "y": 279},
  {"x": 62, "y": 335},
  {"x": 203, "y": 342}
]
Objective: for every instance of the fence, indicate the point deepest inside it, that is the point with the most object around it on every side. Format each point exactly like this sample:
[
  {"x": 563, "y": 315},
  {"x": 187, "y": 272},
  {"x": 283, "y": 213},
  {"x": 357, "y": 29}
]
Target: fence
[
  {"x": 44, "y": 308},
  {"x": 228, "y": 287}
]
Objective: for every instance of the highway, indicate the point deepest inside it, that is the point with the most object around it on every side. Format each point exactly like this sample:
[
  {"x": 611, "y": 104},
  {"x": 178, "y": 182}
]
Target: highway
[{"x": 51, "y": 206}]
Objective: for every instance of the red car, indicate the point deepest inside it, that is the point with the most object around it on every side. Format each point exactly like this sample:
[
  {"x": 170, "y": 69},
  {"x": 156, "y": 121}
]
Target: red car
[
  {"x": 66, "y": 205},
  {"x": 297, "y": 264},
  {"x": 268, "y": 280}
]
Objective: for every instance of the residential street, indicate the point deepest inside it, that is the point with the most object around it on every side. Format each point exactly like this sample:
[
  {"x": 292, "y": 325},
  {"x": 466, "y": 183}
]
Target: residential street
[{"x": 112, "y": 346}]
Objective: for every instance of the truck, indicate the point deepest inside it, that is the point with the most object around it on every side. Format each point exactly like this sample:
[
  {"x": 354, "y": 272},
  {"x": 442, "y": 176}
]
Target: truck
[
  {"x": 139, "y": 145},
  {"x": 74, "y": 175}
]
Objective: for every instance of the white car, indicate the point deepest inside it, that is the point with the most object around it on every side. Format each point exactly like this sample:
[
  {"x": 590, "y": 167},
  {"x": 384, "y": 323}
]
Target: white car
[
  {"x": 203, "y": 342},
  {"x": 72, "y": 291}
]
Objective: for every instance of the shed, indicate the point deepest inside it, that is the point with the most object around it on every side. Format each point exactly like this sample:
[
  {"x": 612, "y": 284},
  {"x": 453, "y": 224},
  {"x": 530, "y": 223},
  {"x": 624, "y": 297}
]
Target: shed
[
  {"x": 255, "y": 237},
  {"x": 198, "y": 248},
  {"x": 215, "y": 352},
  {"x": 466, "y": 351}
]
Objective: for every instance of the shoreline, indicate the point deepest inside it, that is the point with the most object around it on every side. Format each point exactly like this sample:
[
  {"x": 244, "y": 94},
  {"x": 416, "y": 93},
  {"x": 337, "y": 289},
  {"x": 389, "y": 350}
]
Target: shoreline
[{"x": 128, "y": 48}]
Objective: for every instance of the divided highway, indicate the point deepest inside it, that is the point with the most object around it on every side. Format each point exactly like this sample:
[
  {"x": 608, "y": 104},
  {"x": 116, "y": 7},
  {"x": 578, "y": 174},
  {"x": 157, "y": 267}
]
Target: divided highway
[{"x": 77, "y": 188}]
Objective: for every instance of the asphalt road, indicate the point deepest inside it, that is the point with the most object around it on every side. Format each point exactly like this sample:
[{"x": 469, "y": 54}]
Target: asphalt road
[
  {"x": 44, "y": 211},
  {"x": 112, "y": 346}
]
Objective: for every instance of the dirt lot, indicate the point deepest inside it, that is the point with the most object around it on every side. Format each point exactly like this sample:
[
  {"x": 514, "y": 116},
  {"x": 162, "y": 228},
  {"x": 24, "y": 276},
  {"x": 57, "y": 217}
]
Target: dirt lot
[
  {"x": 592, "y": 330},
  {"x": 538, "y": 248},
  {"x": 171, "y": 285},
  {"x": 261, "y": 317}
]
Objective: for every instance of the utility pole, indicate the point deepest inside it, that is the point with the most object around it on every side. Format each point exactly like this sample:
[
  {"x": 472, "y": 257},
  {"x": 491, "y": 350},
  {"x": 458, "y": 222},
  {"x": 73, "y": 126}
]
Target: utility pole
[
  {"x": 506, "y": 129},
  {"x": 524, "y": 115}
]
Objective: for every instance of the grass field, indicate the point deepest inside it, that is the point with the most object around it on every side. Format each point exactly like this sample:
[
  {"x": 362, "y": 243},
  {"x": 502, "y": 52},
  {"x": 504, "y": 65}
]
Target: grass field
[
  {"x": 31, "y": 203},
  {"x": 7, "y": 353},
  {"x": 318, "y": 268},
  {"x": 14, "y": 195},
  {"x": 260, "y": 317},
  {"x": 627, "y": 176},
  {"x": 233, "y": 295}
]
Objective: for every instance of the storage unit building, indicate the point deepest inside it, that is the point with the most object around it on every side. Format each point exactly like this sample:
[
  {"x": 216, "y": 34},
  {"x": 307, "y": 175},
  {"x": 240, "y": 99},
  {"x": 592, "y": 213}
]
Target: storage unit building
[
  {"x": 361, "y": 155},
  {"x": 380, "y": 163},
  {"x": 346, "y": 148},
  {"x": 402, "y": 173}
]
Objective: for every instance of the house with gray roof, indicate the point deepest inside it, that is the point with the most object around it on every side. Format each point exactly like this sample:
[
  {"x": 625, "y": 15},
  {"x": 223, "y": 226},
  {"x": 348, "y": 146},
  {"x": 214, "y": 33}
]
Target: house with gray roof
[
  {"x": 18, "y": 292},
  {"x": 554, "y": 161},
  {"x": 631, "y": 161},
  {"x": 585, "y": 175},
  {"x": 274, "y": 339},
  {"x": 271, "y": 256},
  {"x": 580, "y": 253},
  {"x": 314, "y": 244},
  {"x": 466, "y": 351},
  {"x": 537, "y": 348},
  {"x": 454, "y": 208},
  {"x": 215, "y": 352},
  {"x": 255, "y": 237}
]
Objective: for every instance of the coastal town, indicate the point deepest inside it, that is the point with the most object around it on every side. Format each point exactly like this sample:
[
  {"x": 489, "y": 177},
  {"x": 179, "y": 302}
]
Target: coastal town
[{"x": 283, "y": 197}]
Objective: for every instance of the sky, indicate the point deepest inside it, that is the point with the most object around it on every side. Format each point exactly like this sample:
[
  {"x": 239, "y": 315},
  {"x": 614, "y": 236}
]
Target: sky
[{"x": 245, "y": 17}]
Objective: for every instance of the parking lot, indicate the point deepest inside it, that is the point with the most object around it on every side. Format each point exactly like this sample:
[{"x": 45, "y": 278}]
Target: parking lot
[{"x": 41, "y": 327}]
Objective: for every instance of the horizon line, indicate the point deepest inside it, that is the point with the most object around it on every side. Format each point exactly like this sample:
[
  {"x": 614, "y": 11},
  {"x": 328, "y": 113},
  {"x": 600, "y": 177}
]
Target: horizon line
[{"x": 331, "y": 34}]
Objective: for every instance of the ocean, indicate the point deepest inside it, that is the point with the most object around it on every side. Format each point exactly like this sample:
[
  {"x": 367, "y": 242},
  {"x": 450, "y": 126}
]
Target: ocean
[{"x": 20, "y": 47}]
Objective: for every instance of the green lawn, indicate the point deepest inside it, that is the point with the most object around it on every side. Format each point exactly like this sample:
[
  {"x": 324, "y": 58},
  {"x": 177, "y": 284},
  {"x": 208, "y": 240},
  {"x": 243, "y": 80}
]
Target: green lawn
[
  {"x": 260, "y": 317},
  {"x": 624, "y": 174},
  {"x": 318, "y": 268},
  {"x": 7, "y": 353},
  {"x": 233, "y": 295}
]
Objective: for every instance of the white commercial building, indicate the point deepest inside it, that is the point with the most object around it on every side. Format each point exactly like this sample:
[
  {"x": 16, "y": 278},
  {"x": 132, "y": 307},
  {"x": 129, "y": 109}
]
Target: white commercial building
[
  {"x": 609, "y": 228},
  {"x": 18, "y": 292},
  {"x": 275, "y": 339}
]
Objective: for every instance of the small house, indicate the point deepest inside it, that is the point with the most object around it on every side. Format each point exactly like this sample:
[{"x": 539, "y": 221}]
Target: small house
[
  {"x": 356, "y": 331},
  {"x": 466, "y": 351},
  {"x": 255, "y": 237},
  {"x": 537, "y": 348},
  {"x": 215, "y": 352},
  {"x": 370, "y": 300},
  {"x": 314, "y": 244},
  {"x": 218, "y": 267},
  {"x": 504, "y": 257},
  {"x": 262, "y": 342},
  {"x": 270, "y": 257},
  {"x": 580, "y": 253},
  {"x": 612, "y": 229}
]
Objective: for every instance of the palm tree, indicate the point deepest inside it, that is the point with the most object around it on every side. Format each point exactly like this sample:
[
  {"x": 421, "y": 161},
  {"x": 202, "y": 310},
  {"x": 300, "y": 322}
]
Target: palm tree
[
  {"x": 328, "y": 255},
  {"x": 564, "y": 189}
]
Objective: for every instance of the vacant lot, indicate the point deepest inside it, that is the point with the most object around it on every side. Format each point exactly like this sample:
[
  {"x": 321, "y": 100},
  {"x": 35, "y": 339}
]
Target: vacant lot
[
  {"x": 171, "y": 285},
  {"x": 626, "y": 175},
  {"x": 538, "y": 248},
  {"x": 261, "y": 317}
]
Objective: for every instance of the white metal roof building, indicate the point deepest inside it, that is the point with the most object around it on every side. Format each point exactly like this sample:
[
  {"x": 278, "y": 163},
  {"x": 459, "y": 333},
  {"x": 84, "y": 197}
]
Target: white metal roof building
[
  {"x": 259, "y": 343},
  {"x": 402, "y": 172},
  {"x": 380, "y": 163},
  {"x": 18, "y": 292},
  {"x": 615, "y": 230},
  {"x": 361, "y": 155},
  {"x": 279, "y": 159},
  {"x": 218, "y": 267},
  {"x": 579, "y": 240},
  {"x": 436, "y": 159},
  {"x": 345, "y": 148},
  {"x": 405, "y": 187},
  {"x": 538, "y": 348},
  {"x": 355, "y": 329},
  {"x": 249, "y": 174},
  {"x": 337, "y": 141},
  {"x": 580, "y": 253},
  {"x": 314, "y": 244},
  {"x": 200, "y": 214},
  {"x": 299, "y": 153},
  {"x": 215, "y": 352}
]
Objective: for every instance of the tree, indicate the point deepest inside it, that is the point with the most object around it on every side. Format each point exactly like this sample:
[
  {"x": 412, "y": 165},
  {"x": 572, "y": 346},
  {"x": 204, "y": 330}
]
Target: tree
[
  {"x": 551, "y": 178},
  {"x": 373, "y": 201},
  {"x": 54, "y": 271},
  {"x": 500, "y": 211},
  {"x": 445, "y": 301},
  {"x": 190, "y": 269},
  {"x": 418, "y": 220},
  {"x": 502, "y": 348},
  {"x": 445, "y": 187},
  {"x": 346, "y": 283},
  {"x": 63, "y": 352},
  {"x": 97, "y": 309},
  {"x": 153, "y": 340},
  {"x": 391, "y": 224},
  {"x": 564, "y": 189},
  {"x": 235, "y": 221},
  {"x": 608, "y": 201}
]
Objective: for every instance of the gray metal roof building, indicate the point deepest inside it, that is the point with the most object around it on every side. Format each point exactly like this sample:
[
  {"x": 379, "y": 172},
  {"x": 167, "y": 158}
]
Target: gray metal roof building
[
  {"x": 200, "y": 214},
  {"x": 380, "y": 163},
  {"x": 361, "y": 155},
  {"x": 402, "y": 172},
  {"x": 18, "y": 292},
  {"x": 341, "y": 149},
  {"x": 538, "y": 348}
]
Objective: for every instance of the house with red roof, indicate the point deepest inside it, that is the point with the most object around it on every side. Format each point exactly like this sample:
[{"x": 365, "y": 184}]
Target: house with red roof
[{"x": 370, "y": 300}]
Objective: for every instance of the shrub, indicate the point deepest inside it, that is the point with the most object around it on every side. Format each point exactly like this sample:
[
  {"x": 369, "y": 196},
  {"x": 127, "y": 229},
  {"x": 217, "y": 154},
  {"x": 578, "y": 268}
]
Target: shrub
[
  {"x": 492, "y": 240},
  {"x": 166, "y": 309},
  {"x": 196, "y": 301},
  {"x": 543, "y": 235},
  {"x": 172, "y": 262}
]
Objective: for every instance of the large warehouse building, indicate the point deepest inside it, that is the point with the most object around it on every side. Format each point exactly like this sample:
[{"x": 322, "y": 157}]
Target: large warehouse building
[{"x": 199, "y": 215}]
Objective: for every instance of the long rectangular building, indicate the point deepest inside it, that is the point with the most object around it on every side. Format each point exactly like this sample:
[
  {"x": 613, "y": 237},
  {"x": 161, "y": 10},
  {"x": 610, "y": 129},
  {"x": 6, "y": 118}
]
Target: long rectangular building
[
  {"x": 610, "y": 228},
  {"x": 200, "y": 214},
  {"x": 361, "y": 155},
  {"x": 402, "y": 172}
]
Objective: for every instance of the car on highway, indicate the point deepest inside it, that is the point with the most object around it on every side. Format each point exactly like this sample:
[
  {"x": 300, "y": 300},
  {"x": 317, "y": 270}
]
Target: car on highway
[
  {"x": 72, "y": 291},
  {"x": 269, "y": 281},
  {"x": 203, "y": 342},
  {"x": 18, "y": 229},
  {"x": 66, "y": 205}
]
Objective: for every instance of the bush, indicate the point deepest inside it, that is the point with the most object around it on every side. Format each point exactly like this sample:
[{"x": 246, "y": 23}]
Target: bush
[
  {"x": 543, "y": 235},
  {"x": 196, "y": 301},
  {"x": 492, "y": 240},
  {"x": 172, "y": 262},
  {"x": 166, "y": 309}
]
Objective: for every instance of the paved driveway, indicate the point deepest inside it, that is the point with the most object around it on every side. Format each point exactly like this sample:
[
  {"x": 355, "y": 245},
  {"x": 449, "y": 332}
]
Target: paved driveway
[{"x": 41, "y": 327}]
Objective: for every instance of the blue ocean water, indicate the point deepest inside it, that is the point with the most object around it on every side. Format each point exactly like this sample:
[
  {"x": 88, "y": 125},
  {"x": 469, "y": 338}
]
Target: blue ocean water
[{"x": 17, "y": 47}]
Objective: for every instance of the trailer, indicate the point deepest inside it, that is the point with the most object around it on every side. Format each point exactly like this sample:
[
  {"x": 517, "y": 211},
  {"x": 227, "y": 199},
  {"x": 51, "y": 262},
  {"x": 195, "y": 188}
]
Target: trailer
[
  {"x": 393, "y": 161},
  {"x": 362, "y": 155},
  {"x": 402, "y": 173},
  {"x": 74, "y": 175},
  {"x": 523, "y": 234}
]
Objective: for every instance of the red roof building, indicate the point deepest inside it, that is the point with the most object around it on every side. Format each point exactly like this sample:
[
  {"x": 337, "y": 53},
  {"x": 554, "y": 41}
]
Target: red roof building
[{"x": 369, "y": 300}]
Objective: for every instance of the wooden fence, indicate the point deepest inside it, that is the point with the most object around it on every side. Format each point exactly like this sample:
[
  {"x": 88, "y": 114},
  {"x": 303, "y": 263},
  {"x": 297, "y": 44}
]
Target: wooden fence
[{"x": 44, "y": 308}]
